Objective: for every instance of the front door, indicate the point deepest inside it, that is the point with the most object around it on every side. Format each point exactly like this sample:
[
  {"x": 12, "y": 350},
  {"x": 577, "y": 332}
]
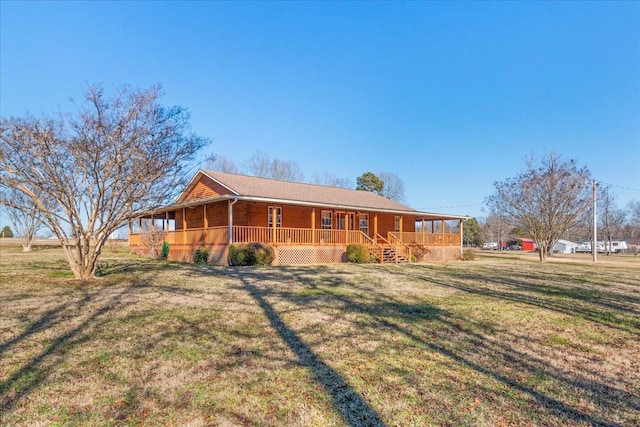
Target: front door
[{"x": 343, "y": 217}]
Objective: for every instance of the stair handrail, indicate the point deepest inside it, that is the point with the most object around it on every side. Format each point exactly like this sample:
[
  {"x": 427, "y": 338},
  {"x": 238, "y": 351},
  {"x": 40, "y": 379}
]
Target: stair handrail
[
  {"x": 376, "y": 249},
  {"x": 367, "y": 238},
  {"x": 378, "y": 236},
  {"x": 396, "y": 241}
]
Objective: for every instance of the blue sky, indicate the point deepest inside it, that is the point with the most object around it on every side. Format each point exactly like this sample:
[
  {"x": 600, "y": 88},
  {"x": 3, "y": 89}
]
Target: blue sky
[{"x": 451, "y": 96}]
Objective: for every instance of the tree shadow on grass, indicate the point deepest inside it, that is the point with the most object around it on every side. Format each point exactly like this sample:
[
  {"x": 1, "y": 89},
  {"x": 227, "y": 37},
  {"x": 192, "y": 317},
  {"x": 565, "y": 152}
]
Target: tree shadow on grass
[
  {"x": 34, "y": 372},
  {"x": 354, "y": 410},
  {"x": 47, "y": 320},
  {"x": 604, "y": 394},
  {"x": 467, "y": 348},
  {"x": 589, "y": 305},
  {"x": 555, "y": 406}
]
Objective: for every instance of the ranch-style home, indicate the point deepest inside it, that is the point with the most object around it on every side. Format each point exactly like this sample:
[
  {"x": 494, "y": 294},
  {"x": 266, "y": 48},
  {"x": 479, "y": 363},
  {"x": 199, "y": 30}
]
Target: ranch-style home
[{"x": 304, "y": 223}]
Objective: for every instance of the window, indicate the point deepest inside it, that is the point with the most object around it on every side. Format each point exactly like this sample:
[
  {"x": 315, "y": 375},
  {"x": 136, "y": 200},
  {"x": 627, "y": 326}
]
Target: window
[
  {"x": 326, "y": 220},
  {"x": 396, "y": 223},
  {"x": 278, "y": 211},
  {"x": 364, "y": 223},
  {"x": 352, "y": 220},
  {"x": 340, "y": 220}
]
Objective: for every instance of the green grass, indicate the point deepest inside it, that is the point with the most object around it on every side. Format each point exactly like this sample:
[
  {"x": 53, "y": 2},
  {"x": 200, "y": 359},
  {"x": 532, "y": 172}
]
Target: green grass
[{"x": 496, "y": 341}]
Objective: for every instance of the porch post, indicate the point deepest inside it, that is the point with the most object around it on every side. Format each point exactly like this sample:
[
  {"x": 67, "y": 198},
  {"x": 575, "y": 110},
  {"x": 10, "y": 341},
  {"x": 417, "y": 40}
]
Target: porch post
[
  {"x": 153, "y": 223},
  {"x": 165, "y": 223},
  {"x": 375, "y": 226},
  {"x": 274, "y": 219},
  {"x": 461, "y": 236},
  {"x": 184, "y": 226},
  {"x": 230, "y": 204},
  {"x": 442, "y": 232},
  {"x": 313, "y": 226},
  {"x": 205, "y": 224},
  {"x": 346, "y": 228},
  {"x": 423, "y": 239},
  {"x": 401, "y": 221}
]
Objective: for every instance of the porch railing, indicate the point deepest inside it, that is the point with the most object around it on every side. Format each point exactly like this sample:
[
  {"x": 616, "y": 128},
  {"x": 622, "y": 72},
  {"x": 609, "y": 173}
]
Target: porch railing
[
  {"x": 279, "y": 236},
  {"x": 298, "y": 236},
  {"x": 427, "y": 239}
]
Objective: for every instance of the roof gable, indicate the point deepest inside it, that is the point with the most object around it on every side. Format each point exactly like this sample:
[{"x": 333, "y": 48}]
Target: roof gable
[{"x": 202, "y": 186}]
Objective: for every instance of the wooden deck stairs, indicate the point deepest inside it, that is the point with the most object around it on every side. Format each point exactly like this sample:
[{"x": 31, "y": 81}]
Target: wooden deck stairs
[
  {"x": 387, "y": 253},
  {"x": 391, "y": 255}
]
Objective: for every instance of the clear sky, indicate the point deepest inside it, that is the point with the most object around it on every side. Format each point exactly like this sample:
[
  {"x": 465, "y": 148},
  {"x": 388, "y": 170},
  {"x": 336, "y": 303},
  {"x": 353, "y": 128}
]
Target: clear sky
[{"x": 450, "y": 96}]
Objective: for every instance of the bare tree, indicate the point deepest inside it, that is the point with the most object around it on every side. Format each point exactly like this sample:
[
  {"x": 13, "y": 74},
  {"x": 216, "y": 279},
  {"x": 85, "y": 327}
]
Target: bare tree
[
  {"x": 497, "y": 229},
  {"x": 544, "y": 200},
  {"x": 393, "y": 186},
  {"x": 332, "y": 180},
  {"x": 223, "y": 164},
  {"x": 611, "y": 218},
  {"x": 91, "y": 171},
  {"x": 634, "y": 210},
  {"x": 152, "y": 241},
  {"x": 24, "y": 214},
  {"x": 632, "y": 223},
  {"x": 261, "y": 164}
]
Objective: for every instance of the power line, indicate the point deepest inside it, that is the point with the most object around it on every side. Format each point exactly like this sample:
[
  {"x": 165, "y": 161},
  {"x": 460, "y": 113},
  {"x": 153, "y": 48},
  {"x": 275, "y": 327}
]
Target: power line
[
  {"x": 454, "y": 207},
  {"x": 619, "y": 186}
]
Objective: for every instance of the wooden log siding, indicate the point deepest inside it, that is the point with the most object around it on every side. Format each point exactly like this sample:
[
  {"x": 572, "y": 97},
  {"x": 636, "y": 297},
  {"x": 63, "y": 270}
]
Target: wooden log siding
[
  {"x": 217, "y": 214},
  {"x": 206, "y": 188}
]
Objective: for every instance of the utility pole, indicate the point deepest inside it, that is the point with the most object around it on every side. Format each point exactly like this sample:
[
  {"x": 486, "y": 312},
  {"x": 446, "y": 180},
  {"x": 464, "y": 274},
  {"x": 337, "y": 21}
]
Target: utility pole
[{"x": 594, "y": 248}]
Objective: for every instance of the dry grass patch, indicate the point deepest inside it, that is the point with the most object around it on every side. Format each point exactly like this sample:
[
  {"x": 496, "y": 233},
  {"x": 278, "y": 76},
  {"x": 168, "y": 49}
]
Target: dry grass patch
[{"x": 496, "y": 341}]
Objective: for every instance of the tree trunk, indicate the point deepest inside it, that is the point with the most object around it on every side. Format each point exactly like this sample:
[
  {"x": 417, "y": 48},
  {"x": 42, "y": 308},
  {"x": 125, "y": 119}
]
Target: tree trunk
[
  {"x": 543, "y": 251},
  {"x": 82, "y": 260},
  {"x": 542, "y": 255},
  {"x": 26, "y": 248}
]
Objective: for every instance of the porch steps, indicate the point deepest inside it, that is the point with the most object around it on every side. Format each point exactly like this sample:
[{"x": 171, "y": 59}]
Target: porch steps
[
  {"x": 391, "y": 256},
  {"x": 387, "y": 255}
]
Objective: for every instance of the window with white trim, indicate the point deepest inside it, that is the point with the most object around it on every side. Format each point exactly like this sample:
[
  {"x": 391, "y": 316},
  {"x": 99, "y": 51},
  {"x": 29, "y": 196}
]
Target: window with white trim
[
  {"x": 326, "y": 220},
  {"x": 278, "y": 213},
  {"x": 363, "y": 220}
]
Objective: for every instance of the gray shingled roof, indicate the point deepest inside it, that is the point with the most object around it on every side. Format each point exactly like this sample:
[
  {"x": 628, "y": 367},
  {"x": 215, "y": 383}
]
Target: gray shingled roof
[{"x": 252, "y": 186}]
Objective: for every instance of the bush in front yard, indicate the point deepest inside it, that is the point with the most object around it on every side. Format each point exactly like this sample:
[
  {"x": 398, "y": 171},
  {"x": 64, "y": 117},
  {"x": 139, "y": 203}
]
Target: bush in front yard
[
  {"x": 263, "y": 253},
  {"x": 357, "y": 253},
  {"x": 468, "y": 255},
  {"x": 165, "y": 250},
  {"x": 201, "y": 256},
  {"x": 254, "y": 253},
  {"x": 237, "y": 254}
]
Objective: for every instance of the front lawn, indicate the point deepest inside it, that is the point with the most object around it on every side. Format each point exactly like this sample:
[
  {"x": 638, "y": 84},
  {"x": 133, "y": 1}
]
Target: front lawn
[{"x": 496, "y": 341}]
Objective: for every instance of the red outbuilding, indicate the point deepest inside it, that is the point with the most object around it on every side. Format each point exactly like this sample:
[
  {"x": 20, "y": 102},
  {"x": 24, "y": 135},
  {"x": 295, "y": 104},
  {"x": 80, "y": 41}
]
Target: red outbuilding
[{"x": 527, "y": 244}]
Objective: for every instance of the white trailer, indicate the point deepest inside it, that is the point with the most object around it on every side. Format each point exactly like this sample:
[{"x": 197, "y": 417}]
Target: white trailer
[{"x": 617, "y": 246}]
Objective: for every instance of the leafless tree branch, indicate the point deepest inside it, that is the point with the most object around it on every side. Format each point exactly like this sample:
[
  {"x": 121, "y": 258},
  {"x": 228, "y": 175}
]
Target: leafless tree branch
[{"x": 91, "y": 171}]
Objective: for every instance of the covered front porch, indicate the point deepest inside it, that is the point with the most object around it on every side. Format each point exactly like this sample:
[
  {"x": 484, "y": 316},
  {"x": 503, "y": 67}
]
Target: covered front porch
[{"x": 189, "y": 228}]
